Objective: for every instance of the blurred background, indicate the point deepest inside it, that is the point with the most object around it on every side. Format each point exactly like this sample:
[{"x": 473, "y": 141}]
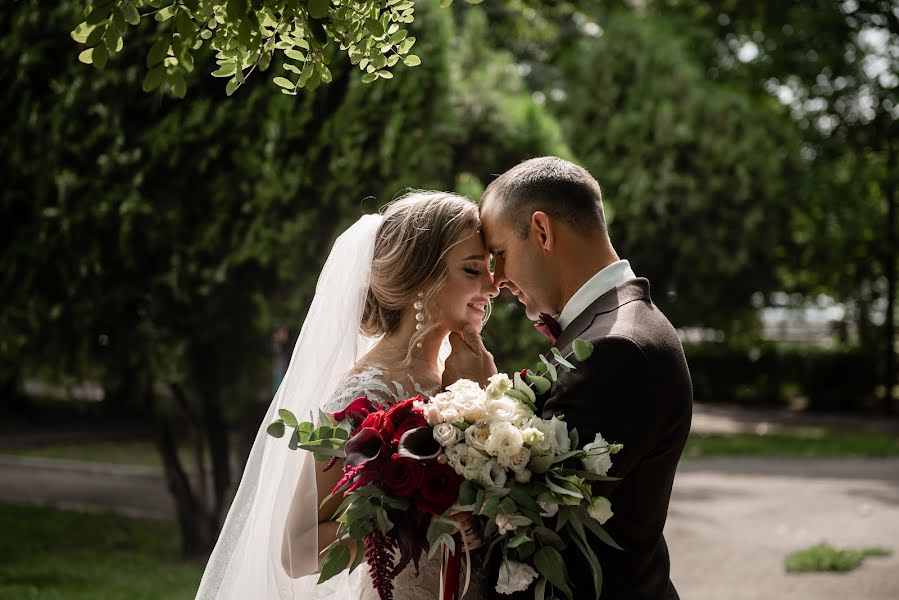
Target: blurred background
[{"x": 158, "y": 256}]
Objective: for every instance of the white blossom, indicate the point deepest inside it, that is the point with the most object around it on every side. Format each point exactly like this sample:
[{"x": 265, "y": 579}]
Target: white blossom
[
  {"x": 514, "y": 577},
  {"x": 504, "y": 442},
  {"x": 493, "y": 475},
  {"x": 601, "y": 509},
  {"x": 498, "y": 385},
  {"x": 596, "y": 461}
]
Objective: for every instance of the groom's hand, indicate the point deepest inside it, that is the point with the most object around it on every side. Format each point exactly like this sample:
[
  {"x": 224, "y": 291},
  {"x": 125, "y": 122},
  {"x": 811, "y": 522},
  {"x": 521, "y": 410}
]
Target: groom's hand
[{"x": 469, "y": 359}]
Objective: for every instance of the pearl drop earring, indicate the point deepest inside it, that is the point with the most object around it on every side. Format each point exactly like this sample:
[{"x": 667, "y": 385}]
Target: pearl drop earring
[{"x": 419, "y": 314}]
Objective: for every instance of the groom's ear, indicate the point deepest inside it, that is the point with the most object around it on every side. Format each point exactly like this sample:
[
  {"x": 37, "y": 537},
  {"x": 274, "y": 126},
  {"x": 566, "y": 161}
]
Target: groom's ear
[{"x": 542, "y": 228}]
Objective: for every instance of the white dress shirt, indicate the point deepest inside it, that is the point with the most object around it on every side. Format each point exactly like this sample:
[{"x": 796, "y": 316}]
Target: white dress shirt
[{"x": 616, "y": 273}]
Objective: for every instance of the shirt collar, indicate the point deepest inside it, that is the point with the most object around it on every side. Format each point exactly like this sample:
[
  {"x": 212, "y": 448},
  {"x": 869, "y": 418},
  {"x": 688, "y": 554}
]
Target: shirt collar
[{"x": 616, "y": 273}]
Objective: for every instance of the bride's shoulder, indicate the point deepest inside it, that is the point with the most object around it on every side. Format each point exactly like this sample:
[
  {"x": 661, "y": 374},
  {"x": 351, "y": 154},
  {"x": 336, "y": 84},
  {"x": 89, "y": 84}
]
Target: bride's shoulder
[{"x": 362, "y": 380}]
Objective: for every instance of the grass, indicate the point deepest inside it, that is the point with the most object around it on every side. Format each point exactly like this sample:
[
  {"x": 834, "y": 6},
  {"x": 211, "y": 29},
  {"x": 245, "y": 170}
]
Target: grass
[
  {"x": 826, "y": 558},
  {"x": 796, "y": 443},
  {"x": 119, "y": 452},
  {"x": 49, "y": 554}
]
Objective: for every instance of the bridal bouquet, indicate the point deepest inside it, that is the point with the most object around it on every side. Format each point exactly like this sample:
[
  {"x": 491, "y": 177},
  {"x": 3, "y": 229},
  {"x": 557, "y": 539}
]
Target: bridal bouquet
[{"x": 483, "y": 450}]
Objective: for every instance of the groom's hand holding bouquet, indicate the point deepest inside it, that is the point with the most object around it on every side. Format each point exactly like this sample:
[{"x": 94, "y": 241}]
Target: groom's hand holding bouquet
[{"x": 410, "y": 468}]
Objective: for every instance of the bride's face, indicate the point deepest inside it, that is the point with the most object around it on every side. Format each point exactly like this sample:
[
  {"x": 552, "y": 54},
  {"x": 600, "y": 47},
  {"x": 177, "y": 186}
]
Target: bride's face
[{"x": 469, "y": 285}]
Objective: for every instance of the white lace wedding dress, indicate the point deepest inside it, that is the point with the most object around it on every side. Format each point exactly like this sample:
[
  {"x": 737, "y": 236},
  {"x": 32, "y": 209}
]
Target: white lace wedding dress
[{"x": 407, "y": 585}]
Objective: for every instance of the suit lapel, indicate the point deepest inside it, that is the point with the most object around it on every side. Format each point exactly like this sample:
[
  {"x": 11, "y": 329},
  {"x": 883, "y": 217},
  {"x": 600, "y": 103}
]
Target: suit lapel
[{"x": 621, "y": 294}]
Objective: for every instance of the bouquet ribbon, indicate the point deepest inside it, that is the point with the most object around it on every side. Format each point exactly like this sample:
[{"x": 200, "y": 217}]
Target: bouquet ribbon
[{"x": 450, "y": 569}]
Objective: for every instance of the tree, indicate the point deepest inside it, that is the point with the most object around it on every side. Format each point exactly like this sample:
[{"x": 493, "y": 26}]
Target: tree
[
  {"x": 155, "y": 244},
  {"x": 249, "y": 35},
  {"x": 834, "y": 66},
  {"x": 698, "y": 179}
]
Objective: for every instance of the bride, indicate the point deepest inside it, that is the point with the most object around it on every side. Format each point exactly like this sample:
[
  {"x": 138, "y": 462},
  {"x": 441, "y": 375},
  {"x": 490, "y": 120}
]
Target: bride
[{"x": 392, "y": 290}]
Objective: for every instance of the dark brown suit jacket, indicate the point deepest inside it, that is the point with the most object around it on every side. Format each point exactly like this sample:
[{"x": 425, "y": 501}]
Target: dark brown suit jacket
[{"x": 635, "y": 390}]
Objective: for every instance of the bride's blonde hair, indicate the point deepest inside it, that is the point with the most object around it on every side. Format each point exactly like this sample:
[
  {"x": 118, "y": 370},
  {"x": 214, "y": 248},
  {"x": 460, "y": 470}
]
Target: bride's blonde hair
[{"x": 418, "y": 231}]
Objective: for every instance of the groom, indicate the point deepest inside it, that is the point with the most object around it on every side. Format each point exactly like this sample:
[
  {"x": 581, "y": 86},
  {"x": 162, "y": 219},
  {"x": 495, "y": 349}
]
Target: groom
[{"x": 543, "y": 222}]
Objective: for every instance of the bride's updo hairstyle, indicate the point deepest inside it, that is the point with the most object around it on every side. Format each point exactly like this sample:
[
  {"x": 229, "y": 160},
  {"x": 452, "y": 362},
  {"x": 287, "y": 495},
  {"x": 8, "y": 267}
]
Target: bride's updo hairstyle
[{"x": 418, "y": 230}]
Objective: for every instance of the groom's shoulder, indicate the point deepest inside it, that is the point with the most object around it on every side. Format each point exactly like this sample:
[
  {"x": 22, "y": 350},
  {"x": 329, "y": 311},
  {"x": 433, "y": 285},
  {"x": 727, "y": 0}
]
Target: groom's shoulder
[{"x": 633, "y": 315}]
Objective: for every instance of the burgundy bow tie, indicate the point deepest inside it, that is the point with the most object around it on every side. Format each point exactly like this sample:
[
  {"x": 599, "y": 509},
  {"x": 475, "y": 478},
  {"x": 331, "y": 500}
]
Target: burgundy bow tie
[{"x": 549, "y": 327}]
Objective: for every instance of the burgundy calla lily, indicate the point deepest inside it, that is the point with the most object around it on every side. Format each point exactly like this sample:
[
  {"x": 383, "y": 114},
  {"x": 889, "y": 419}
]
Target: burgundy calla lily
[
  {"x": 366, "y": 445},
  {"x": 419, "y": 443}
]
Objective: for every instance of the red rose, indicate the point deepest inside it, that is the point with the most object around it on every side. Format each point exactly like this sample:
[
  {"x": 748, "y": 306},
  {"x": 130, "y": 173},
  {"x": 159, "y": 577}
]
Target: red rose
[
  {"x": 401, "y": 476},
  {"x": 356, "y": 411},
  {"x": 399, "y": 411},
  {"x": 379, "y": 422},
  {"x": 439, "y": 488}
]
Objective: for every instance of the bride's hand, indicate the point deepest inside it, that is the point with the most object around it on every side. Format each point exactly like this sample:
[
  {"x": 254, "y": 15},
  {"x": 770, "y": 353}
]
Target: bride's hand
[
  {"x": 471, "y": 528},
  {"x": 469, "y": 359}
]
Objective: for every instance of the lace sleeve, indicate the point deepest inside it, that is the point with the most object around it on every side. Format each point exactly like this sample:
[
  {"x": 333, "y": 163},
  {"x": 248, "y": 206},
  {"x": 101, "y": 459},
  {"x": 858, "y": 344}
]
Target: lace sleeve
[{"x": 366, "y": 383}]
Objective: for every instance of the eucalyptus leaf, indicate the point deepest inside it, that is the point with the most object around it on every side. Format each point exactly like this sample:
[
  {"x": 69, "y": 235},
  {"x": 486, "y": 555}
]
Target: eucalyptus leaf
[
  {"x": 583, "y": 349},
  {"x": 276, "y": 429}
]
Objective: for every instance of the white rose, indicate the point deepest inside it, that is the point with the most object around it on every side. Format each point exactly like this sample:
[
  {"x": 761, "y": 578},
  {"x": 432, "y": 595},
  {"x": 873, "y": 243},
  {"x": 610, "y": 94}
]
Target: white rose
[
  {"x": 493, "y": 475},
  {"x": 469, "y": 399},
  {"x": 514, "y": 577},
  {"x": 598, "y": 461},
  {"x": 549, "y": 508},
  {"x": 523, "y": 476},
  {"x": 451, "y": 415},
  {"x": 477, "y": 435},
  {"x": 509, "y": 410},
  {"x": 442, "y": 400},
  {"x": 601, "y": 509},
  {"x": 497, "y": 386},
  {"x": 447, "y": 434},
  {"x": 518, "y": 461},
  {"x": 504, "y": 441}
]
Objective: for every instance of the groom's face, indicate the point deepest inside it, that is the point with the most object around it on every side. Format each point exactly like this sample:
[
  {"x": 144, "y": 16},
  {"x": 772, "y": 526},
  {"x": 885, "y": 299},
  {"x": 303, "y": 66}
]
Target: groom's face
[{"x": 520, "y": 265}]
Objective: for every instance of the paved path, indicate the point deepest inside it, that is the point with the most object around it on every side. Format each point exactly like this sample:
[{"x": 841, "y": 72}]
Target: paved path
[{"x": 732, "y": 521}]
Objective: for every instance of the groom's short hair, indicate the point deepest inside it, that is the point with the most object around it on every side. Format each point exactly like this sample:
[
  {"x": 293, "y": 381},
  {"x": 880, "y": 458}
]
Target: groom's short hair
[{"x": 550, "y": 184}]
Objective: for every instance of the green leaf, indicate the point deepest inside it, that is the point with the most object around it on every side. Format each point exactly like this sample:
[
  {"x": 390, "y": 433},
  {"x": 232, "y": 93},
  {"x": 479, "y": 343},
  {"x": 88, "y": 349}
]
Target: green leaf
[
  {"x": 99, "y": 56},
  {"x": 374, "y": 27},
  {"x": 276, "y": 429},
  {"x": 86, "y": 56},
  {"x": 335, "y": 561},
  {"x": 411, "y": 60},
  {"x": 184, "y": 24},
  {"x": 152, "y": 80},
  {"x": 582, "y": 349},
  {"x": 550, "y": 368},
  {"x": 177, "y": 83},
  {"x": 518, "y": 540},
  {"x": 287, "y": 85},
  {"x": 319, "y": 9},
  {"x": 132, "y": 17},
  {"x": 294, "y": 54},
  {"x": 560, "y": 490},
  {"x": 549, "y": 563},
  {"x": 597, "y": 529},
  {"x": 369, "y": 77},
  {"x": 542, "y": 384},
  {"x": 561, "y": 359},
  {"x": 225, "y": 70},
  {"x": 524, "y": 388},
  {"x": 158, "y": 52},
  {"x": 360, "y": 555},
  {"x": 406, "y": 45},
  {"x": 540, "y": 589}
]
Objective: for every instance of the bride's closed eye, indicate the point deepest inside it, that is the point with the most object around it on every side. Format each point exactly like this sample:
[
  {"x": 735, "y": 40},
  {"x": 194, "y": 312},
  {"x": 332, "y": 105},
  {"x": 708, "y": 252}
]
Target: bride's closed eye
[{"x": 472, "y": 271}]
